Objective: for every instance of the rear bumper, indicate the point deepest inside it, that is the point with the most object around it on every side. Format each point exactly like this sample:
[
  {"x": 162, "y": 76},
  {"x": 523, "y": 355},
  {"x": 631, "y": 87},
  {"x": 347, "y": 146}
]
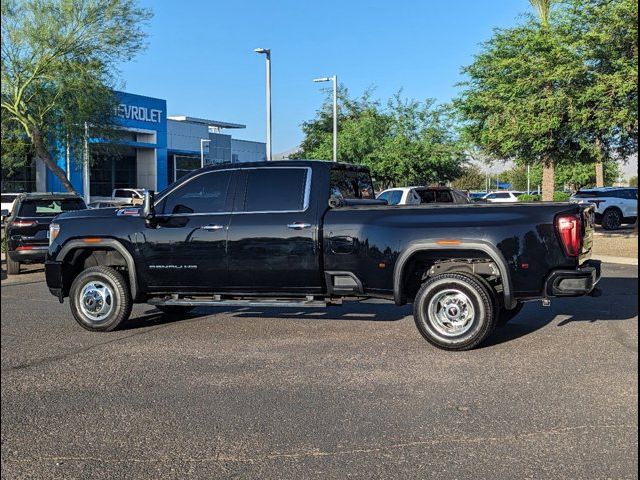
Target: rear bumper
[
  {"x": 32, "y": 255},
  {"x": 574, "y": 283}
]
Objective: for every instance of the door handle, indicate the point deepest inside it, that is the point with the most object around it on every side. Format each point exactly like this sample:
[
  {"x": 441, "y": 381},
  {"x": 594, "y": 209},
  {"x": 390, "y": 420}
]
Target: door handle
[
  {"x": 299, "y": 225},
  {"x": 212, "y": 228}
]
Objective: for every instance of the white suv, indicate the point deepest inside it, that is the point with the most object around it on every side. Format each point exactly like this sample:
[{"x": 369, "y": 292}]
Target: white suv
[
  {"x": 614, "y": 205},
  {"x": 503, "y": 196}
]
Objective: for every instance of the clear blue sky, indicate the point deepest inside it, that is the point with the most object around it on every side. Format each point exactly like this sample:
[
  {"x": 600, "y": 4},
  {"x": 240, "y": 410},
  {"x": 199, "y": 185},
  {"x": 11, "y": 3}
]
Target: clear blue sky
[{"x": 201, "y": 60}]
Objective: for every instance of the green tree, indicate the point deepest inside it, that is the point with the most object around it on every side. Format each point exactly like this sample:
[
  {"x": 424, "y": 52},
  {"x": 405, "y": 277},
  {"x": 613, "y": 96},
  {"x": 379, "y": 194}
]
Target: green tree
[
  {"x": 567, "y": 175},
  {"x": 517, "y": 99},
  {"x": 472, "y": 178},
  {"x": 402, "y": 142},
  {"x": 59, "y": 68},
  {"x": 605, "y": 33},
  {"x": 633, "y": 181}
]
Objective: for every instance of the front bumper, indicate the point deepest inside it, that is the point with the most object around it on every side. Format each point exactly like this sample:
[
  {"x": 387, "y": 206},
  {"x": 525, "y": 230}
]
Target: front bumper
[
  {"x": 35, "y": 254},
  {"x": 574, "y": 283}
]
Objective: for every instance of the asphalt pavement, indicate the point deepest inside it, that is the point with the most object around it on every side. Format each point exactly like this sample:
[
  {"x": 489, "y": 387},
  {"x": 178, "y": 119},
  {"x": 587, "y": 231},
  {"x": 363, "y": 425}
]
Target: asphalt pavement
[{"x": 351, "y": 392}]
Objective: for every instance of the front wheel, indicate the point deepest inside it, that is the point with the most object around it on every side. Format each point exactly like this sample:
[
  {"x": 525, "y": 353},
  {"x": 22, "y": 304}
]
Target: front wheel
[
  {"x": 455, "y": 311},
  {"x": 100, "y": 299}
]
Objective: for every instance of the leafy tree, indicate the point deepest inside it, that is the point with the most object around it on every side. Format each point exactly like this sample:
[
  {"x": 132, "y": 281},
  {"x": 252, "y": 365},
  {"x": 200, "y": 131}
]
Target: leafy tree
[
  {"x": 605, "y": 34},
  {"x": 59, "y": 67},
  {"x": 472, "y": 178},
  {"x": 402, "y": 142},
  {"x": 517, "y": 100},
  {"x": 633, "y": 181},
  {"x": 572, "y": 175}
]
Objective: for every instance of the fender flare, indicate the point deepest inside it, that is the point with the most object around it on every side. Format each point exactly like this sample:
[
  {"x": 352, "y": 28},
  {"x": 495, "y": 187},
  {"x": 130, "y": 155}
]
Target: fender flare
[
  {"x": 485, "y": 247},
  {"x": 105, "y": 243}
]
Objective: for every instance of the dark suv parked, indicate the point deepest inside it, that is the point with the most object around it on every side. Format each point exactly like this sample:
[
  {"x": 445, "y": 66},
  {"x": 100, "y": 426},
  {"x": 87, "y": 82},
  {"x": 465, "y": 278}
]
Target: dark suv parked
[{"x": 27, "y": 226}]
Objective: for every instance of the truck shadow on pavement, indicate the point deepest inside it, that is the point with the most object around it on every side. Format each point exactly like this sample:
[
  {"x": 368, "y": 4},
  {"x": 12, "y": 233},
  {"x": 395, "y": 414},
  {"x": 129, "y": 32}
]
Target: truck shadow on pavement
[{"x": 618, "y": 302}]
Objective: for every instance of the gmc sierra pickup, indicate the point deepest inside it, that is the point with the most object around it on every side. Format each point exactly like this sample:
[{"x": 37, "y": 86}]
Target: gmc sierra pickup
[{"x": 311, "y": 234}]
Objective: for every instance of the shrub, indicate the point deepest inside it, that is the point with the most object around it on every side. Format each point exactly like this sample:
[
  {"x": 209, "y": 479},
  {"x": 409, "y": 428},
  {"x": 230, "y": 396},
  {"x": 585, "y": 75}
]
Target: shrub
[
  {"x": 561, "y": 197},
  {"x": 529, "y": 198}
]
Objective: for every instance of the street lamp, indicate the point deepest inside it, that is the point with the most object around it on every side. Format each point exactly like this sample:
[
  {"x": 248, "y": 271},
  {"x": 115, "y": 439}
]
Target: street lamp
[
  {"x": 333, "y": 79},
  {"x": 267, "y": 53},
  {"x": 202, "y": 141}
]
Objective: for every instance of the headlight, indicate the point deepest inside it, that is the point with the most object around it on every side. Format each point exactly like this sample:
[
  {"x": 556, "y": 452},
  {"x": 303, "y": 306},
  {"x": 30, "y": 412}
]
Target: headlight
[{"x": 54, "y": 230}]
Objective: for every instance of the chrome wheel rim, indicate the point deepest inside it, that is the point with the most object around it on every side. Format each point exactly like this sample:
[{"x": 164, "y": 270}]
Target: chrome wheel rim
[
  {"x": 451, "y": 312},
  {"x": 96, "y": 301}
]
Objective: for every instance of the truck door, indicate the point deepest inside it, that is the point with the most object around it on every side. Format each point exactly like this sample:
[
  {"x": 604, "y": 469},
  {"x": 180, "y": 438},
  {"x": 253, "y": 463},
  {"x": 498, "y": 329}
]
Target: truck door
[
  {"x": 273, "y": 233},
  {"x": 187, "y": 249}
]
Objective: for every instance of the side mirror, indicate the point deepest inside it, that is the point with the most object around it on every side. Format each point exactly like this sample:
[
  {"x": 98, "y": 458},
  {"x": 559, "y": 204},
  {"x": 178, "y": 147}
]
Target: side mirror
[
  {"x": 4, "y": 213},
  {"x": 148, "y": 210}
]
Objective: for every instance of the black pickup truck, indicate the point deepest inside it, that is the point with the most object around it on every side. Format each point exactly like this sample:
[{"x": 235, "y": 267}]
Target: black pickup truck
[{"x": 311, "y": 234}]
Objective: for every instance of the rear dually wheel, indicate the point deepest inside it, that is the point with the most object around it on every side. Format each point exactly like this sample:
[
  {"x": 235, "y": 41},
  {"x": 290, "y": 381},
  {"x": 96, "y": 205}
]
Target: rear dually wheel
[{"x": 455, "y": 311}]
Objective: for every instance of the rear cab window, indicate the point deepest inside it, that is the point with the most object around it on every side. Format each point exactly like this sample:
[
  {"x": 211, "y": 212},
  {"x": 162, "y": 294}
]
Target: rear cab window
[
  {"x": 49, "y": 208},
  {"x": 278, "y": 189},
  {"x": 351, "y": 184}
]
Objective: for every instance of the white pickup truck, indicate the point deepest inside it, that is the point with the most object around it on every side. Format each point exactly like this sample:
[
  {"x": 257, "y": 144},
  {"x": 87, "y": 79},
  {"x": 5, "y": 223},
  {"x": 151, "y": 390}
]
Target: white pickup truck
[{"x": 125, "y": 196}]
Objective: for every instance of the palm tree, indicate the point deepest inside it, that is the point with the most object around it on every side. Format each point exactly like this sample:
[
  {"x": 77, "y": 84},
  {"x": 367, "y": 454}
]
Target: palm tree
[{"x": 543, "y": 8}]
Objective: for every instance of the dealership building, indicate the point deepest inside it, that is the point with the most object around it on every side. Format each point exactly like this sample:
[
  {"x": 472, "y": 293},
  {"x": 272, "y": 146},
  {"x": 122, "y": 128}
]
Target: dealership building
[{"x": 153, "y": 149}]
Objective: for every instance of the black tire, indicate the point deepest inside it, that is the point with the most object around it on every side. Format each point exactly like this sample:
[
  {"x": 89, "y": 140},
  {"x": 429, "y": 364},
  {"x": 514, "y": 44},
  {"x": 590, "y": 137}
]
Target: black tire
[
  {"x": 105, "y": 285},
  {"x": 13, "y": 267},
  {"x": 612, "y": 219},
  {"x": 175, "y": 309},
  {"x": 505, "y": 316},
  {"x": 455, "y": 286}
]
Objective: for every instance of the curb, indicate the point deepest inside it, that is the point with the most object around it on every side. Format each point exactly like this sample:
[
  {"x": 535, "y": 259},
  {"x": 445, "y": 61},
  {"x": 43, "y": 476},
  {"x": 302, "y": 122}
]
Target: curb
[{"x": 619, "y": 260}]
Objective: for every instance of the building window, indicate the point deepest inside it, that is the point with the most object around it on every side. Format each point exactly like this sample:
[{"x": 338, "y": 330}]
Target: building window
[{"x": 111, "y": 170}]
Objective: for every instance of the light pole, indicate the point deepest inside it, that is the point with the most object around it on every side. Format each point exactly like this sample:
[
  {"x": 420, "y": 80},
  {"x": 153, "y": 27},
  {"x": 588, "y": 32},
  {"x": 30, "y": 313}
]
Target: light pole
[
  {"x": 267, "y": 53},
  {"x": 202, "y": 141},
  {"x": 333, "y": 79},
  {"x": 86, "y": 182},
  {"x": 528, "y": 179}
]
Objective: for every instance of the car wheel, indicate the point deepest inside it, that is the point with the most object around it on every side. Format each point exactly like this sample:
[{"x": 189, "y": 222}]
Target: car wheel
[
  {"x": 455, "y": 311},
  {"x": 175, "y": 309},
  {"x": 505, "y": 316},
  {"x": 612, "y": 219},
  {"x": 13, "y": 267},
  {"x": 100, "y": 299}
]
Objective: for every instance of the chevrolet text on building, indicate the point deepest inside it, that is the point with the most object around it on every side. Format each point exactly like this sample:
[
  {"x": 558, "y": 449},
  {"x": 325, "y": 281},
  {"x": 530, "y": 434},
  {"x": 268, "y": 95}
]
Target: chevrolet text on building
[
  {"x": 154, "y": 150},
  {"x": 143, "y": 114}
]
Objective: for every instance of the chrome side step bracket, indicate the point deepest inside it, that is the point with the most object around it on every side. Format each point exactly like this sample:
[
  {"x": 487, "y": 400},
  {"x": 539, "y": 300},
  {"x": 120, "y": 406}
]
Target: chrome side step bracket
[{"x": 197, "y": 302}]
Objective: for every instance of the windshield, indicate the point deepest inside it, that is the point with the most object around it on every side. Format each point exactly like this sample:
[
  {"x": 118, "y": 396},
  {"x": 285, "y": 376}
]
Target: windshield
[{"x": 50, "y": 208}]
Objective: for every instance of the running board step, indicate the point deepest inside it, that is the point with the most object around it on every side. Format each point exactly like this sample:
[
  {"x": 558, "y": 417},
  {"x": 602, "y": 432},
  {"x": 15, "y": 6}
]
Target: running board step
[{"x": 240, "y": 303}]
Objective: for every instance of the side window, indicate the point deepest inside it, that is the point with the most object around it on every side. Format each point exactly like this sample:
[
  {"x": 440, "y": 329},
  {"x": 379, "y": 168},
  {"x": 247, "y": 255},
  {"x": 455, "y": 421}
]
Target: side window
[
  {"x": 204, "y": 194},
  {"x": 276, "y": 189},
  {"x": 384, "y": 196},
  {"x": 427, "y": 196},
  {"x": 123, "y": 194},
  {"x": 502, "y": 195},
  {"x": 351, "y": 184},
  {"x": 443, "y": 196},
  {"x": 395, "y": 197}
]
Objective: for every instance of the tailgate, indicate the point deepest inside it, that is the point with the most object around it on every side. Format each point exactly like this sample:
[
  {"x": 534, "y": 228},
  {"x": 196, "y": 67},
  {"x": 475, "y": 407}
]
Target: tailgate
[{"x": 587, "y": 213}]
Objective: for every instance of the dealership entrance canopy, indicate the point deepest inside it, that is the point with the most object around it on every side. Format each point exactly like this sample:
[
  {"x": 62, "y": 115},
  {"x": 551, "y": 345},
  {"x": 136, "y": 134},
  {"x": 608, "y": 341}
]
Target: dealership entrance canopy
[{"x": 152, "y": 150}]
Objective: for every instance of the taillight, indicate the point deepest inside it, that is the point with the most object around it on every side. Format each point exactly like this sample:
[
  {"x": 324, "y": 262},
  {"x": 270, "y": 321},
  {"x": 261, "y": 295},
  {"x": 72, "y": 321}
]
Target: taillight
[
  {"x": 569, "y": 228},
  {"x": 24, "y": 223}
]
